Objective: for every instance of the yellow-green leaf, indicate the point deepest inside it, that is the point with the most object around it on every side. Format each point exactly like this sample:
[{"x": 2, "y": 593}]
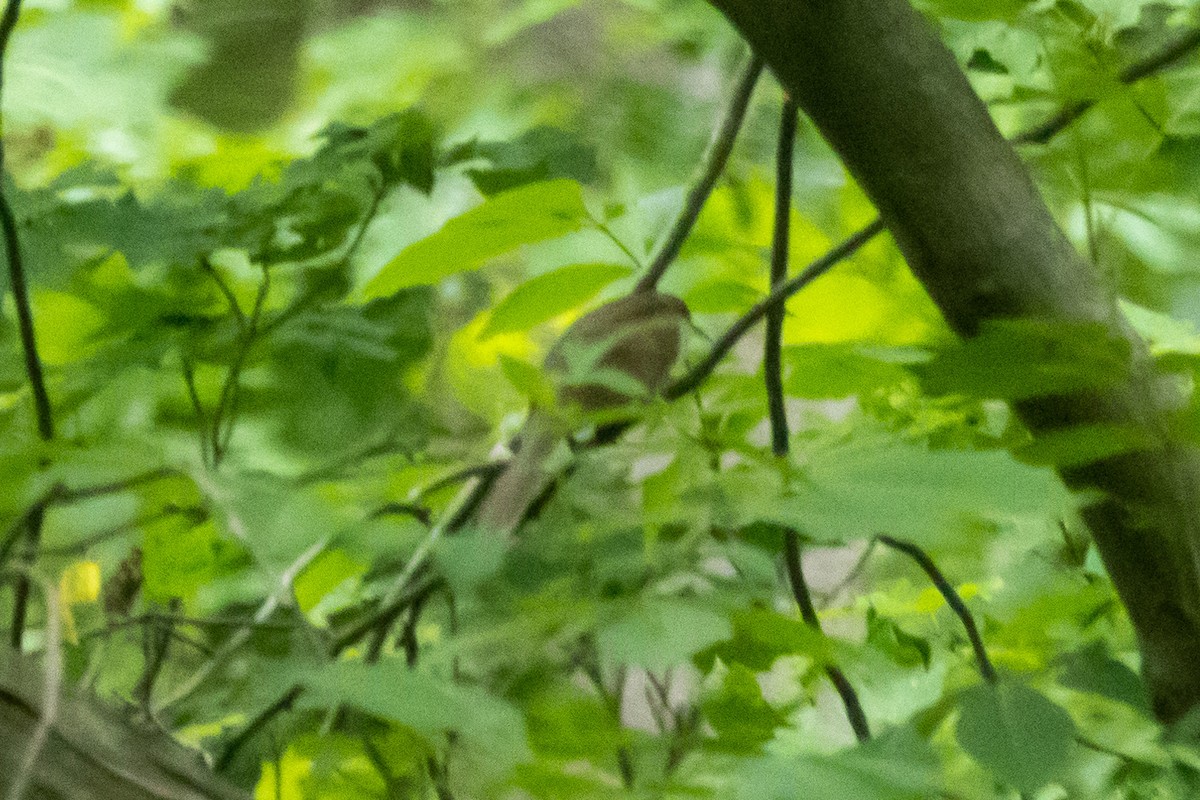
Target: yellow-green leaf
[{"x": 500, "y": 225}]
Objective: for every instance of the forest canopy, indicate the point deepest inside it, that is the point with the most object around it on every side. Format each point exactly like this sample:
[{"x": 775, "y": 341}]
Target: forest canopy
[{"x": 581, "y": 399}]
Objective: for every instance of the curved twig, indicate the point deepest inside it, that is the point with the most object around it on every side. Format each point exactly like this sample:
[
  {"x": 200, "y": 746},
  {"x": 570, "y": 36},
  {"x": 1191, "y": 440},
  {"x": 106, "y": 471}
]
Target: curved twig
[{"x": 953, "y": 599}]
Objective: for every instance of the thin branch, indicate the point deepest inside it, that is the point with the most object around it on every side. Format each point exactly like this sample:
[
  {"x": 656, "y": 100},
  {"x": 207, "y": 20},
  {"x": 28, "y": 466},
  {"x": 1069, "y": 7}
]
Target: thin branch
[
  {"x": 713, "y": 165},
  {"x": 489, "y": 469},
  {"x": 226, "y": 412},
  {"x": 16, "y": 265},
  {"x": 697, "y": 374},
  {"x": 33, "y": 539},
  {"x": 22, "y": 523},
  {"x": 157, "y": 639},
  {"x": 283, "y": 590},
  {"x": 408, "y": 637},
  {"x": 773, "y": 366},
  {"x": 189, "y": 381},
  {"x": 116, "y": 487},
  {"x": 841, "y": 684},
  {"x": 828, "y": 597},
  {"x": 340, "y": 644},
  {"x": 616, "y": 240},
  {"x": 313, "y": 294},
  {"x": 384, "y": 613},
  {"x": 953, "y": 599},
  {"x": 780, "y": 248},
  {"x": 1153, "y": 64},
  {"x": 1039, "y": 134},
  {"x": 256, "y": 726},
  {"x": 81, "y": 546},
  {"x": 418, "y": 512},
  {"x": 239, "y": 316}
]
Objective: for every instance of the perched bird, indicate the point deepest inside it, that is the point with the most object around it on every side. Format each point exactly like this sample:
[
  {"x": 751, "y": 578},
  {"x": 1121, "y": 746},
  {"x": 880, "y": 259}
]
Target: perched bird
[{"x": 618, "y": 354}]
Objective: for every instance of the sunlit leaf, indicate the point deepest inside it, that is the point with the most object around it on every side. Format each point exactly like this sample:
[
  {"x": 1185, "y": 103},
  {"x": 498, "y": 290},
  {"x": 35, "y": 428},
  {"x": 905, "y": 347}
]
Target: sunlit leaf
[
  {"x": 500, "y": 225},
  {"x": 547, "y": 296}
]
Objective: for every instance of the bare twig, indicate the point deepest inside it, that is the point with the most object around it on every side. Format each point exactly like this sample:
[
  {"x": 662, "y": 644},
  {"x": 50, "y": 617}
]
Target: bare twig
[
  {"x": 710, "y": 170},
  {"x": 697, "y": 374},
  {"x": 33, "y": 539},
  {"x": 1185, "y": 44},
  {"x": 772, "y": 367},
  {"x": 226, "y": 412},
  {"x": 845, "y": 690},
  {"x": 81, "y": 546},
  {"x": 16, "y": 265},
  {"x": 953, "y": 599},
  {"x": 780, "y": 247},
  {"x": 156, "y": 643},
  {"x": 314, "y": 294},
  {"x": 256, "y": 726},
  {"x": 278, "y": 597},
  {"x": 1039, "y": 134},
  {"x": 116, "y": 487},
  {"x": 239, "y": 316}
]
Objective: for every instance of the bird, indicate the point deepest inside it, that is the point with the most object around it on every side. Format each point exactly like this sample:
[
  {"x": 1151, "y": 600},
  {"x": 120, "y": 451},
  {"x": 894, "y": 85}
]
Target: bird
[{"x": 610, "y": 358}]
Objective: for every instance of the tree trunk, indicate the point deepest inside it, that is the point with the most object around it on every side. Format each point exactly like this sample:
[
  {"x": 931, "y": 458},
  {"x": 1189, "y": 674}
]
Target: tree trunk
[{"x": 893, "y": 102}]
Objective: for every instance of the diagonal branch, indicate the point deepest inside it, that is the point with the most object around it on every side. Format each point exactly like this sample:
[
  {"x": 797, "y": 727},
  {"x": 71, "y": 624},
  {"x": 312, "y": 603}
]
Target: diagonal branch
[
  {"x": 1039, "y": 134},
  {"x": 893, "y": 102},
  {"x": 953, "y": 599},
  {"x": 772, "y": 365},
  {"x": 713, "y": 165}
]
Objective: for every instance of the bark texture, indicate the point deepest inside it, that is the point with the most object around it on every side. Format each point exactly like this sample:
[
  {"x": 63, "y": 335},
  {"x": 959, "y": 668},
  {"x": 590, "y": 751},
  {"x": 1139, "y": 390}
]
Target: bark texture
[
  {"x": 893, "y": 102},
  {"x": 91, "y": 752}
]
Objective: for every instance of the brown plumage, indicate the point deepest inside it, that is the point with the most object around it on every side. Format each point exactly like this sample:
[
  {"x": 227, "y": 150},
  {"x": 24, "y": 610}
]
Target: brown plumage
[{"x": 638, "y": 337}]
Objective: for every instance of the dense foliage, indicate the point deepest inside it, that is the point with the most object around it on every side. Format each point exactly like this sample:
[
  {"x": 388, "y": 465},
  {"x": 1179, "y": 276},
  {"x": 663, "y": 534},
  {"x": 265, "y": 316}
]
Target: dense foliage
[{"x": 290, "y": 307}]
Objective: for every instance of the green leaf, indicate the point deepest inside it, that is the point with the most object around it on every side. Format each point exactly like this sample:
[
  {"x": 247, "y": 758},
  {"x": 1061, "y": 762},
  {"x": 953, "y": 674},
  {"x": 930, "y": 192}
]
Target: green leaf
[
  {"x": 899, "y": 645},
  {"x": 178, "y": 557},
  {"x": 468, "y": 558},
  {"x": 539, "y": 154},
  {"x": 760, "y": 636},
  {"x": 868, "y": 488},
  {"x": 661, "y": 632},
  {"x": 545, "y": 297},
  {"x": 742, "y": 719},
  {"x": 563, "y": 724},
  {"x": 818, "y": 372},
  {"x": 1076, "y": 447},
  {"x": 898, "y": 765},
  {"x": 429, "y": 705},
  {"x": 527, "y": 379},
  {"x": 326, "y": 573},
  {"x": 1020, "y": 359},
  {"x": 1015, "y": 732},
  {"x": 500, "y": 225},
  {"x": 1092, "y": 669}
]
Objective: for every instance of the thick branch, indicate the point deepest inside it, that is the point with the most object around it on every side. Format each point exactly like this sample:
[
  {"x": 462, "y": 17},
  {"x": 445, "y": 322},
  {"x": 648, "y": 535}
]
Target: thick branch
[{"x": 892, "y": 101}]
